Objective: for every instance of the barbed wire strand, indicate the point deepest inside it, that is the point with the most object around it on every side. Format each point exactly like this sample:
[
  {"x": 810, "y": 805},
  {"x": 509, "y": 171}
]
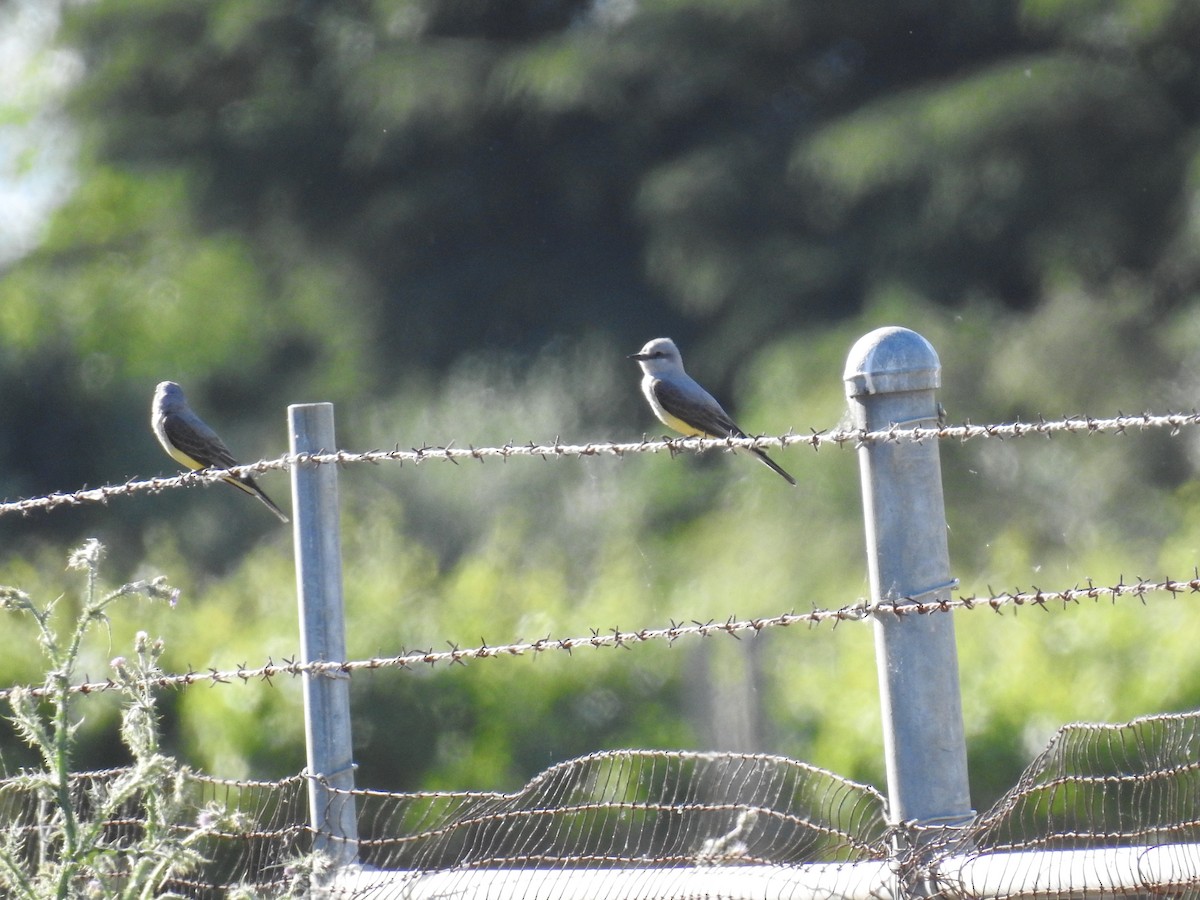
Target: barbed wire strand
[
  {"x": 841, "y": 437},
  {"x": 616, "y": 638}
]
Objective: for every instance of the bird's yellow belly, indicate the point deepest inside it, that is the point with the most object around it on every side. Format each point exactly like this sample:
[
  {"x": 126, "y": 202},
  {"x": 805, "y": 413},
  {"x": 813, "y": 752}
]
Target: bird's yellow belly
[
  {"x": 186, "y": 460},
  {"x": 679, "y": 425}
]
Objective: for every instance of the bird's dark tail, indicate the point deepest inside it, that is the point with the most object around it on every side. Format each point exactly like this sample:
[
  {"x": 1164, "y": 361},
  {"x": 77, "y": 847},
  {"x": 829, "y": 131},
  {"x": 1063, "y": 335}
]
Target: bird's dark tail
[
  {"x": 250, "y": 487},
  {"x": 761, "y": 454}
]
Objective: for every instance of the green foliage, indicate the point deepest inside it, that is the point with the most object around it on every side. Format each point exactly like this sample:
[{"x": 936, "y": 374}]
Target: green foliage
[
  {"x": 442, "y": 554},
  {"x": 454, "y": 219},
  {"x": 133, "y": 284}
]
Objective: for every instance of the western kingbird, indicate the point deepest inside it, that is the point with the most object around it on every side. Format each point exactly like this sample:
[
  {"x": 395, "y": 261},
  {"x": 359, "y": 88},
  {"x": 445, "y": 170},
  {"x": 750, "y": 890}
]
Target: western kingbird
[
  {"x": 682, "y": 404},
  {"x": 187, "y": 439}
]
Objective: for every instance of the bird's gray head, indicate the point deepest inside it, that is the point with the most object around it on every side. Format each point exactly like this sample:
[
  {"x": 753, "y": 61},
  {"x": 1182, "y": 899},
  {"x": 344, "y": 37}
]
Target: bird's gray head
[
  {"x": 168, "y": 395},
  {"x": 658, "y": 356}
]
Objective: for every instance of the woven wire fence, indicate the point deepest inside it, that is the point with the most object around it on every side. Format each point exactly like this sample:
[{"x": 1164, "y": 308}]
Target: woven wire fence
[
  {"x": 673, "y": 823},
  {"x": 681, "y": 824}
]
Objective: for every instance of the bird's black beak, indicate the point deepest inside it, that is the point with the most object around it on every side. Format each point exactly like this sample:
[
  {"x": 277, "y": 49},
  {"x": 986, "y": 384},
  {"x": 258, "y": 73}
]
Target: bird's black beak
[{"x": 638, "y": 356}]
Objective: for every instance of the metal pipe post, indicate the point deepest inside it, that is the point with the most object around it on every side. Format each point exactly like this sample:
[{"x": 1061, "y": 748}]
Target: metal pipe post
[
  {"x": 317, "y": 536},
  {"x": 891, "y": 378}
]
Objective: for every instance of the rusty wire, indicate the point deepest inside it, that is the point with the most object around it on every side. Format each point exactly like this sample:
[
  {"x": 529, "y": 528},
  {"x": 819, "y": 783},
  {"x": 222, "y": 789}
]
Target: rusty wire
[
  {"x": 616, "y": 638},
  {"x": 840, "y": 437}
]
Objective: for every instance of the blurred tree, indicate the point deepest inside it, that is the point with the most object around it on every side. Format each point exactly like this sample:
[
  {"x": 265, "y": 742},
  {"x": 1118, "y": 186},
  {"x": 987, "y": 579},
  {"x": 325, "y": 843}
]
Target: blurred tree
[
  {"x": 376, "y": 201},
  {"x": 498, "y": 173}
]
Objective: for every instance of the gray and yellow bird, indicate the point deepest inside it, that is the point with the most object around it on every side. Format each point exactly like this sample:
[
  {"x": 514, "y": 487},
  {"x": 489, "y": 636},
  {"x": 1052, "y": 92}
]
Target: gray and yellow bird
[
  {"x": 186, "y": 437},
  {"x": 680, "y": 403}
]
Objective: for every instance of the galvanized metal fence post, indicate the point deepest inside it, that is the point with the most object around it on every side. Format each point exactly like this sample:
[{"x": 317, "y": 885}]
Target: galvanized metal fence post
[
  {"x": 891, "y": 378},
  {"x": 317, "y": 537}
]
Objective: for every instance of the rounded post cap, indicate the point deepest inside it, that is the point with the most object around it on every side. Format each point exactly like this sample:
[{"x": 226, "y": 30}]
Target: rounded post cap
[{"x": 891, "y": 360}]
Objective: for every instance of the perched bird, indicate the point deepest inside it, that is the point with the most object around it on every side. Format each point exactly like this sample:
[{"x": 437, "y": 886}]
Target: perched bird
[
  {"x": 187, "y": 439},
  {"x": 680, "y": 403}
]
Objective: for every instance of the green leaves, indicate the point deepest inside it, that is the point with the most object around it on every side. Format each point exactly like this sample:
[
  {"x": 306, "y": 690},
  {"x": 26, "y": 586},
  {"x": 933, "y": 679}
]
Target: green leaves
[{"x": 400, "y": 205}]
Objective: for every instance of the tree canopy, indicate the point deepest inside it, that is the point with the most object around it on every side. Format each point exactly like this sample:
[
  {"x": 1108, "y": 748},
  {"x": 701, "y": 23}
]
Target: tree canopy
[{"x": 454, "y": 217}]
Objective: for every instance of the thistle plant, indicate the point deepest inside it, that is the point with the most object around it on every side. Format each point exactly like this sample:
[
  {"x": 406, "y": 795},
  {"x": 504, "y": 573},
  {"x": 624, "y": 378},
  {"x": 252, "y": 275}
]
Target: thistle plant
[{"x": 68, "y": 841}]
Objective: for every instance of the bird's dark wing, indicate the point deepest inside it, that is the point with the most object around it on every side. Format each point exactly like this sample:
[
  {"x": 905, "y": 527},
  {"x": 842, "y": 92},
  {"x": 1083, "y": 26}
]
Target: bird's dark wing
[
  {"x": 697, "y": 409},
  {"x": 206, "y": 449}
]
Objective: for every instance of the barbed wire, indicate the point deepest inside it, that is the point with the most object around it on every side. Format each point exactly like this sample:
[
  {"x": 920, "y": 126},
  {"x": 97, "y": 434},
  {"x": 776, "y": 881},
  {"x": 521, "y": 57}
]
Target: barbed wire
[
  {"x": 839, "y": 437},
  {"x": 616, "y": 638}
]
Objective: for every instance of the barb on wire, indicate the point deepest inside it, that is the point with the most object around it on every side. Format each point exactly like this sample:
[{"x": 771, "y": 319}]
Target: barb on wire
[
  {"x": 616, "y": 638},
  {"x": 841, "y": 437}
]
